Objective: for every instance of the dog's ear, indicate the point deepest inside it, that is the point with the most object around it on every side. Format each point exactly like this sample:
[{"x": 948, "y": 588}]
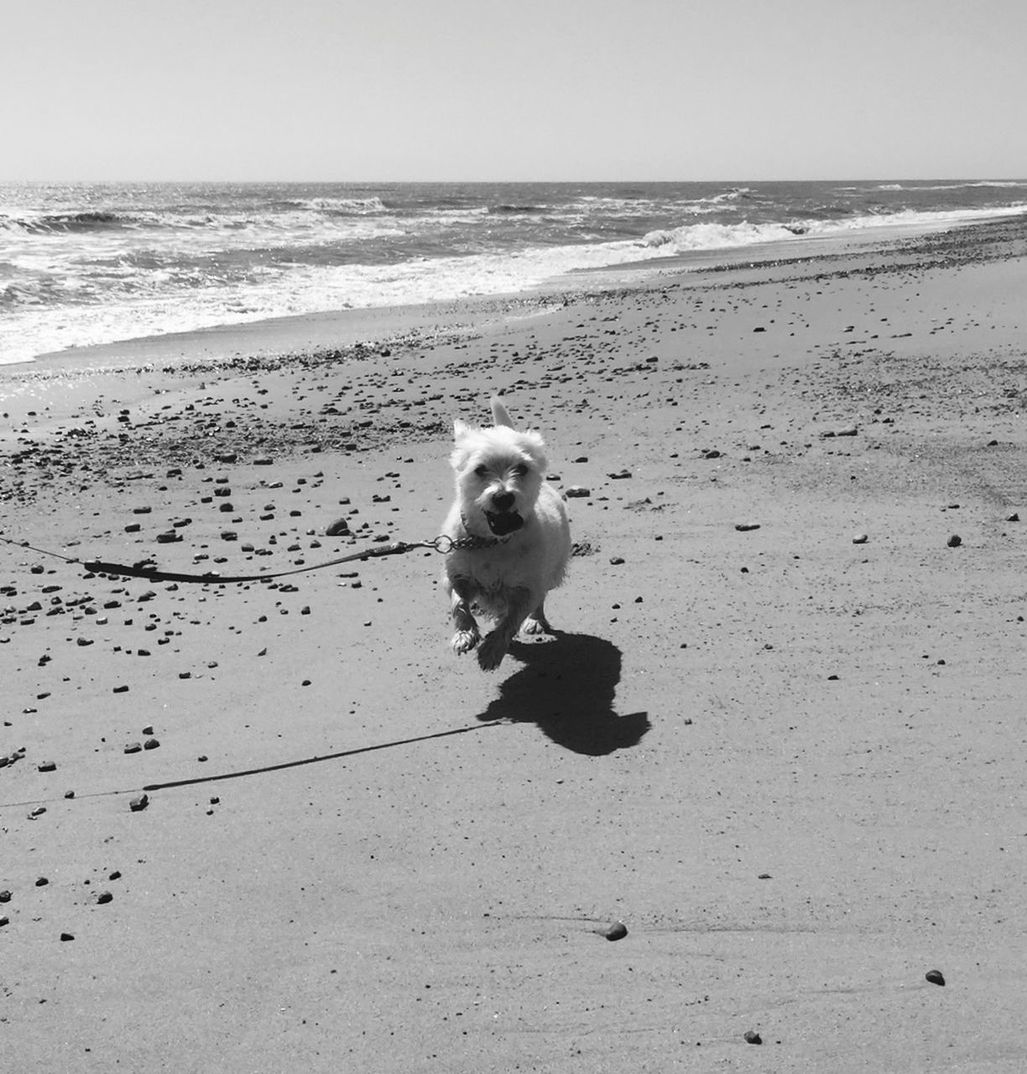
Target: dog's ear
[{"x": 499, "y": 414}]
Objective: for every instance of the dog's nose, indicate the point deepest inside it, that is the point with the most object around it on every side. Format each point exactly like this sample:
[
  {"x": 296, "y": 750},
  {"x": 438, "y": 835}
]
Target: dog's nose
[{"x": 503, "y": 501}]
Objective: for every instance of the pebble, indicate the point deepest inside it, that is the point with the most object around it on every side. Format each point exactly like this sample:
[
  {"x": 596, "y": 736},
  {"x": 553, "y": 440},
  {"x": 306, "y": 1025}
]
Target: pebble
[
  {"x": 65, "y": 936},
  {"x": 752, "y": 1037},
  {"x": 617, "y": 931},
  {"x": 151, "y": 744},
  {"x": 132, "y": 747},
  {"x": 745, "y": 527},
  {"x": 140, "y": 803},
  {"x": 5, "y": 896},
  {"x": 860, "y": 538},
  {"x": 935, "y": 977},
  {"x": 48, "y": 766},
  {"x": 955, "y": 541},
  {"x": 616, "y": 561},
  {"x": 577, "y": 492}
]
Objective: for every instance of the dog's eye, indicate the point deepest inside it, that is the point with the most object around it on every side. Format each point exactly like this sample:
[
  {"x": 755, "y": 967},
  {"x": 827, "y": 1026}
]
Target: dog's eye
[
  {"x": 481, "y": 471},
  {"x": 519, "y": 470}
]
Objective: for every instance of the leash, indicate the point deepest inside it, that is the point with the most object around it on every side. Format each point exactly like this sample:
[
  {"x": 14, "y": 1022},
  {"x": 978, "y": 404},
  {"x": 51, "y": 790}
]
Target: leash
[{"x": 442, "y": 544}]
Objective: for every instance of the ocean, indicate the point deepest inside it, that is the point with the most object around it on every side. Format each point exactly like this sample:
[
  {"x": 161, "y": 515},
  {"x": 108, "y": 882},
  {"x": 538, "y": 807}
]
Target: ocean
[{"x": 84, "y": 264}]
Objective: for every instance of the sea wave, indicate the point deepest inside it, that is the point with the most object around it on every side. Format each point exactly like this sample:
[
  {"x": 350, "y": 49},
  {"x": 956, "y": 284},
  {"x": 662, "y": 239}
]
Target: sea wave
[
  {"x": 343, "y": 206},
  {"x": 983, "y": 184},
  {"x": 84, "y": 221},
  {"x": 692, "y": 237}
]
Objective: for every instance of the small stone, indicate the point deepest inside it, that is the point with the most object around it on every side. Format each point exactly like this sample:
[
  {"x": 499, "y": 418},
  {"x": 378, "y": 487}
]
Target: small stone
[
  {"x": 148, "y": 730},
  {"x": 151, "y": 744},
  {"x": 752, "y": 1037},
  {"x": 620, "y": 475},
  {"x": 1014, "y": 517},
  {"x": 104, "y": 897},
  {"x": 935, "y": 977},
  {"x": 5, "y": 896},
  {"x": 745, "y": 527},
  {"x": 954, "y": 541},
  {"x": 577, "y": 492},
  {"x": 48, "y": 766},
  {"x": 616, "y": 561},
  {"x": 66, "y": 936},
  {"x": 132, "y": 747},
  {"x": 617, "y": 931},
  {"x": 140, "y": 803},
  {"x": 860, "y": 538},
  {"x": 42, "y": 882}
]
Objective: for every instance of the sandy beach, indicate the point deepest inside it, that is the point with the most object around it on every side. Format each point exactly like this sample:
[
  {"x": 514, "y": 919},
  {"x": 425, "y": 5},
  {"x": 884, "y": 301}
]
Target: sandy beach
[{"x": 280, "y": 826}]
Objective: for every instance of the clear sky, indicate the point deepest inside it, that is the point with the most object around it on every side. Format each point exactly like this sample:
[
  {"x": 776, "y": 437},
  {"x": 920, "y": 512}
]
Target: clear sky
[{"x": 518, "y": 89}]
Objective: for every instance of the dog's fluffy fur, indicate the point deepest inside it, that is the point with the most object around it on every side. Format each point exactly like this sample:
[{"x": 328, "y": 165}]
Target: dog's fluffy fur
[{"x": 501, "y": 494}]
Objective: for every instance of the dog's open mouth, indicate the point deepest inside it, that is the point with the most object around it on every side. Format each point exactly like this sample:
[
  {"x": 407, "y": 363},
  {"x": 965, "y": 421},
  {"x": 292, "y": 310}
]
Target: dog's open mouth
[{"x": 503, "y": 522}]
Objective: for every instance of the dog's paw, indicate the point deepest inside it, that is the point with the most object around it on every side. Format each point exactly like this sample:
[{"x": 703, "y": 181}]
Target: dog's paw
[
  {"x": 491, "y": 652},
  {"x": 532, "y": 625},
  {"x": 464, "y": 641}
]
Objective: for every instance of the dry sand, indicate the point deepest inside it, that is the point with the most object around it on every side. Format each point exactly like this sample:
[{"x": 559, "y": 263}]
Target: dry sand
[{"x": 790, "y": 759}]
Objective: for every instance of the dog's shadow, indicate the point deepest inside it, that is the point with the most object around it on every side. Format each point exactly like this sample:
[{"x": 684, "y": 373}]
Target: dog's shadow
[{"x": 567, "y": 687}]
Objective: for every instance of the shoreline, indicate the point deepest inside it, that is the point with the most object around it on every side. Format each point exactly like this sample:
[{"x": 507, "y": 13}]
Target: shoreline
[
  {"x": 777, "y": 735},
  {"x": 313, "y": 331}
]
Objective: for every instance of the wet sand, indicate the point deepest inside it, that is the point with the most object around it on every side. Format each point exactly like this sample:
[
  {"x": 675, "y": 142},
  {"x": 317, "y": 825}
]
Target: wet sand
[{"x": 779, "y": 735}]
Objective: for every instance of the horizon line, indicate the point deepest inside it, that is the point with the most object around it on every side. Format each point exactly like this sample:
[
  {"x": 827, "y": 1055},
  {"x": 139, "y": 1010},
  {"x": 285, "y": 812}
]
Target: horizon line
[{"x": 519, "y": 182}]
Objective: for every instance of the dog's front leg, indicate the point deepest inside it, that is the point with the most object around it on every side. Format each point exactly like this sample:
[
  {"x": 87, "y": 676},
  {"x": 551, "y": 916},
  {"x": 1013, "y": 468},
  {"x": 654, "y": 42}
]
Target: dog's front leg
[
  {"x": 467, "y": 634},
  {"x": 497, "y": 641}
]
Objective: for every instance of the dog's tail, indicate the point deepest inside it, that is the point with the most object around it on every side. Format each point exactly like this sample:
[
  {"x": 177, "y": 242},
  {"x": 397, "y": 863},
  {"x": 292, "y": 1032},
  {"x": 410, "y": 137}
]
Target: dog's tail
[{"x": 499, "y": 414}]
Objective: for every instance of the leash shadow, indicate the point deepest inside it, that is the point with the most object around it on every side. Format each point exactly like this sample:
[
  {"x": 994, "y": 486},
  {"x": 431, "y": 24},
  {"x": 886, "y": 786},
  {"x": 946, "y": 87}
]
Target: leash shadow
[{"x": 567, "y": 688}]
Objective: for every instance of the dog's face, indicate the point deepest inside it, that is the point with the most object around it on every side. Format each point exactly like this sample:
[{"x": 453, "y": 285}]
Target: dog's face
[{"x": 499, "y": 472}]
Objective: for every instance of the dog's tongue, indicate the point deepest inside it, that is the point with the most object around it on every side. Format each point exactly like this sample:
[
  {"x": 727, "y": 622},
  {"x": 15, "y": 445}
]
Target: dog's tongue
[{"x": 505, "y": 522}]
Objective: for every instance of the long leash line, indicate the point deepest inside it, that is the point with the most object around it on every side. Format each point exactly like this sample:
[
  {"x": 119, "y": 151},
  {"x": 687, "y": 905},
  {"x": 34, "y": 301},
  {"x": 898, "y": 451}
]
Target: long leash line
[
  {"x": 243, "y": 773},
  {"x": 442, "y": 544}
]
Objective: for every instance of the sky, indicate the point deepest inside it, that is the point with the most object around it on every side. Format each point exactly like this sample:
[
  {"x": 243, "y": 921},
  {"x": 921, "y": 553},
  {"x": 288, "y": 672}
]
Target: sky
[{"x": 403, "y": 90}]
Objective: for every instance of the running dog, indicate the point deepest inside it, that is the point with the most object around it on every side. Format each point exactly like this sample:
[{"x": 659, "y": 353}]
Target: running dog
[{"x": 512, "y": 538}]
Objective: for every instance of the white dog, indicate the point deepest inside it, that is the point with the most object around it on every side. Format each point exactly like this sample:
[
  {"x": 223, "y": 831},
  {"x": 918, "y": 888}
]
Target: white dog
[{"x": 512, "y": 532}]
